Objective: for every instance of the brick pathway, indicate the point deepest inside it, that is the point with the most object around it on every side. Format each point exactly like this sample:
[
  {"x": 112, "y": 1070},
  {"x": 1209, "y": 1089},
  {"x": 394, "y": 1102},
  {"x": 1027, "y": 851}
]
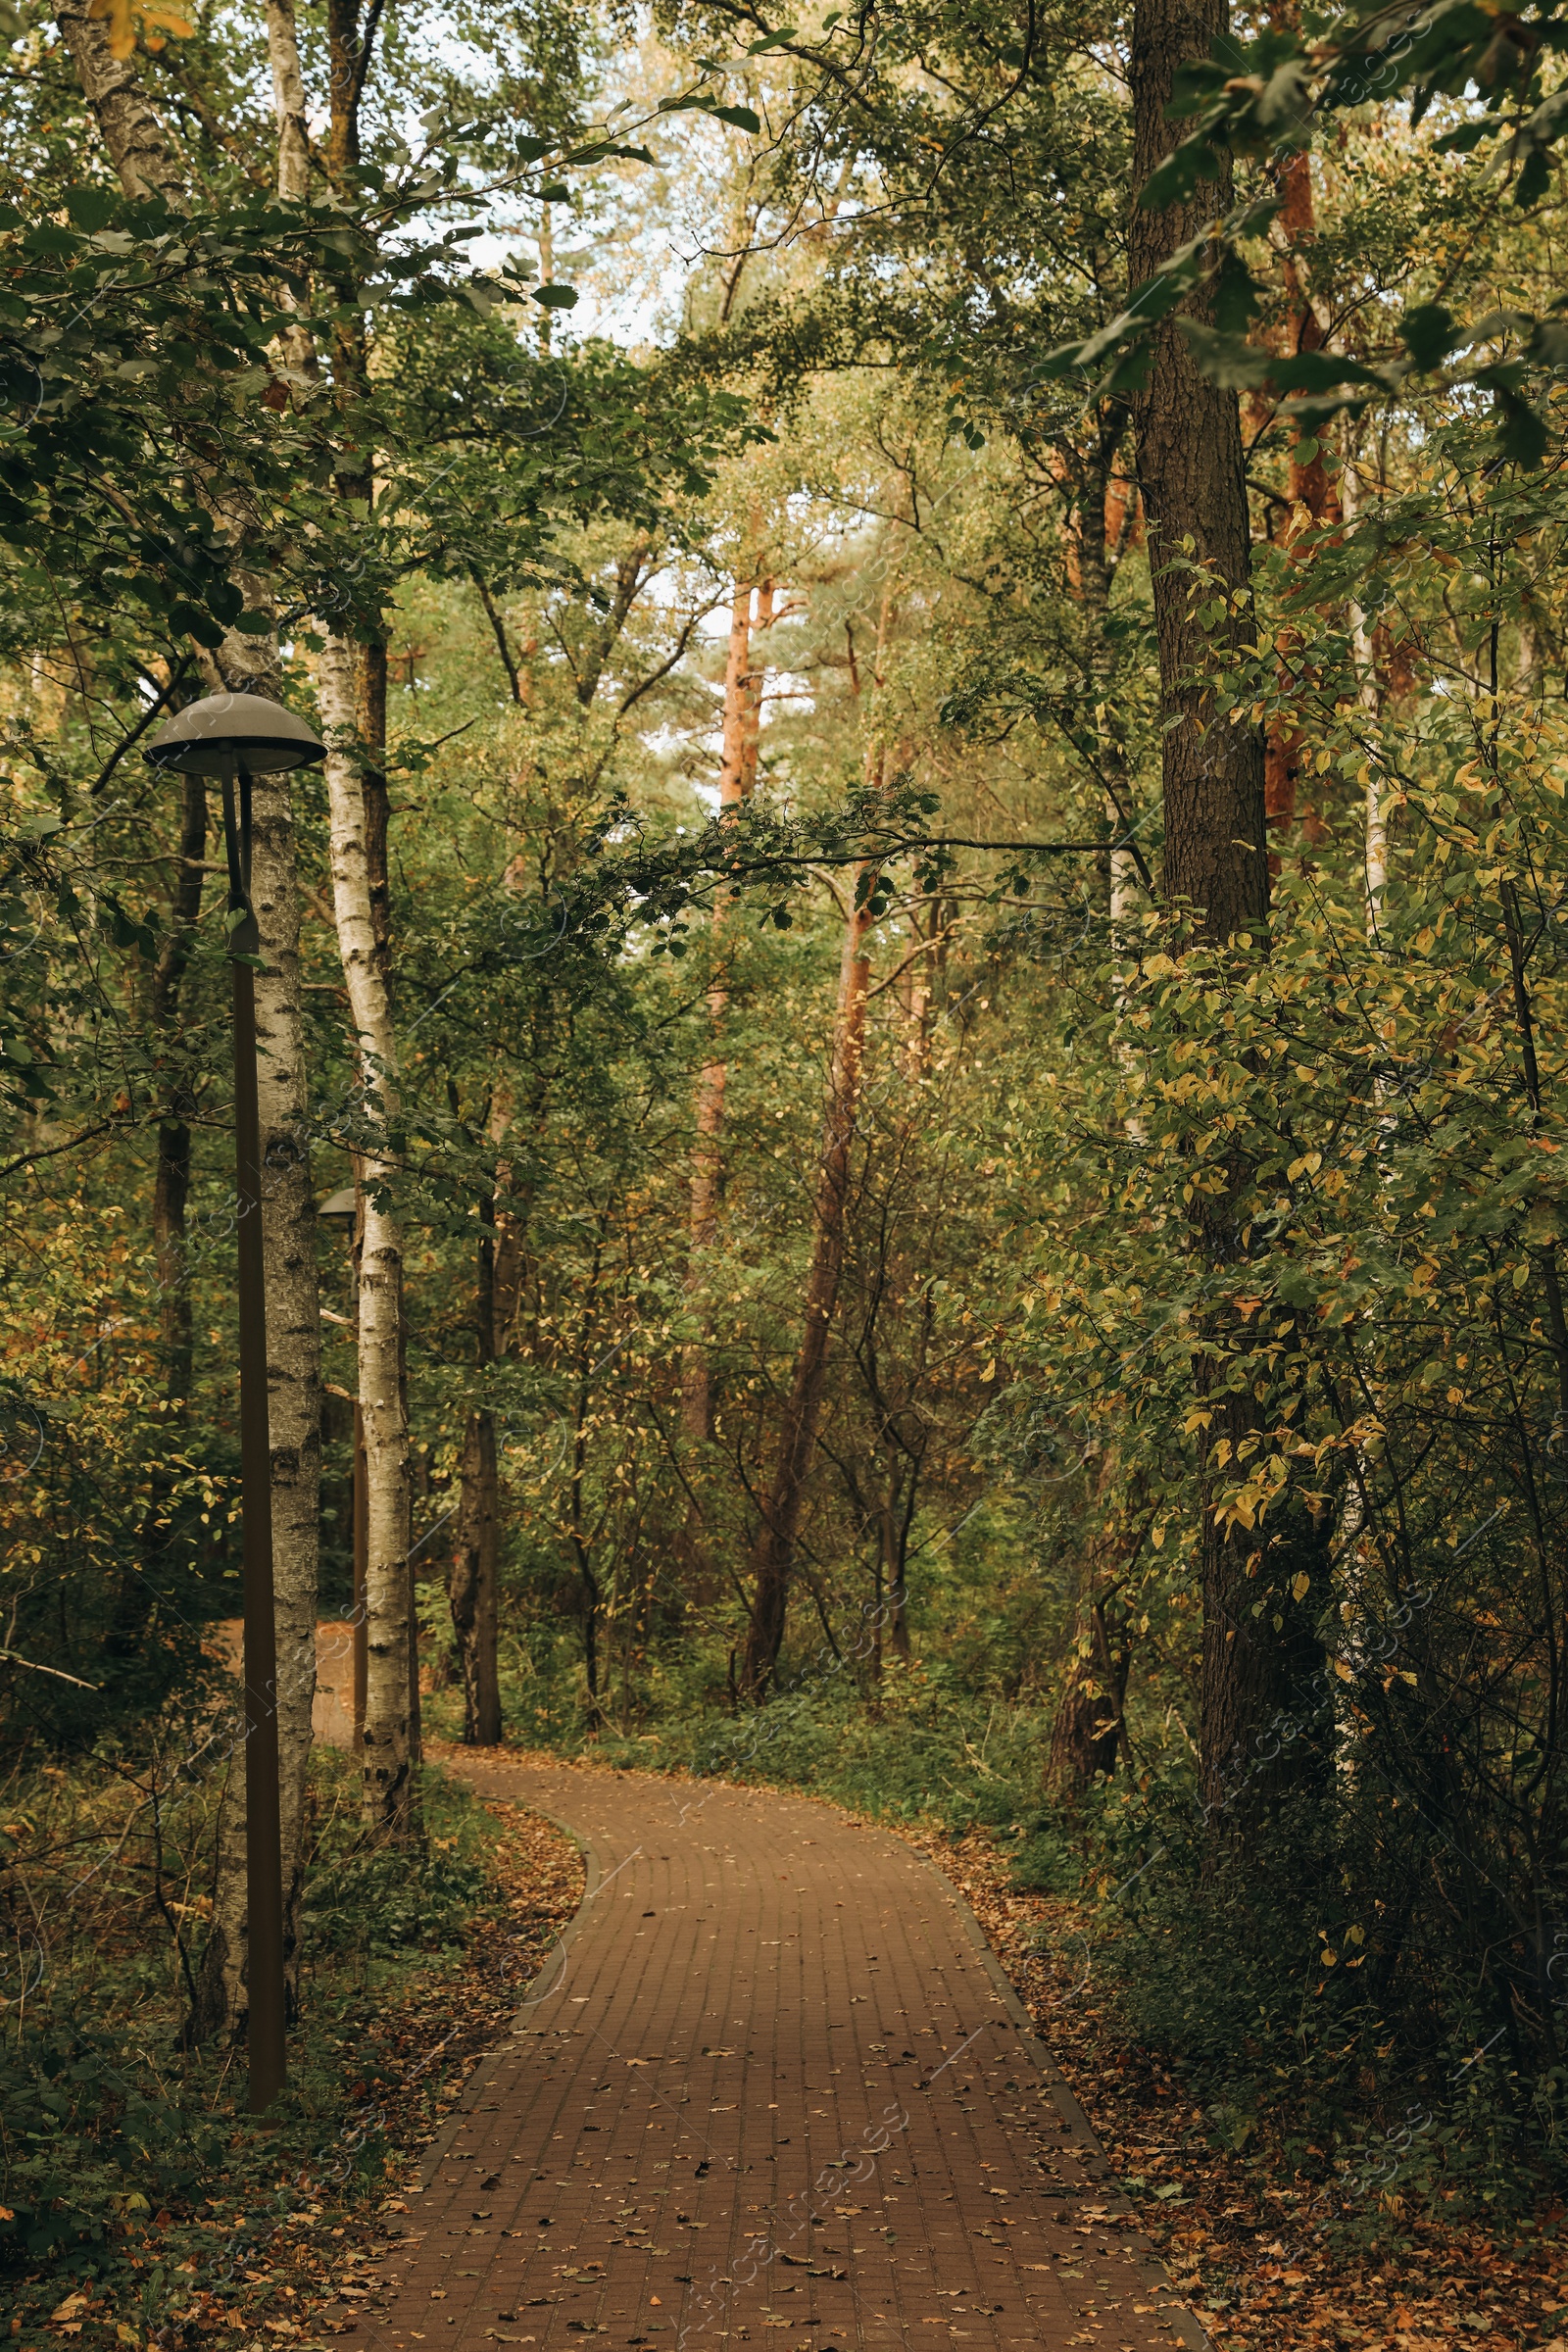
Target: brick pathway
[{"x": 771, "y": 2080}]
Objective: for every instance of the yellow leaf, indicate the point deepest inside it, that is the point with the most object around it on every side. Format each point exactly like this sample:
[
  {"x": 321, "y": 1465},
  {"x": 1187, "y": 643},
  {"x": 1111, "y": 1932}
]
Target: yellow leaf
[
  {"x": 1342, "y": 1670},
  {"x": 122, "y": 17},
  {"x": 1300, "y": 1585}
]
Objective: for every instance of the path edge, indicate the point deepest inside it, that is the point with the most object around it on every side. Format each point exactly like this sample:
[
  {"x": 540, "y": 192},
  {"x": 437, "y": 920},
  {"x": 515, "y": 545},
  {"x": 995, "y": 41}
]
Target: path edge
[
  {"x": 1183, "y": 2322},
  {"x": 536, "y": 1988}
]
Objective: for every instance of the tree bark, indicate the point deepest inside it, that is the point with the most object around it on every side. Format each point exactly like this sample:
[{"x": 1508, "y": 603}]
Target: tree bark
[
  {"x": 1192, "y": 474},
  {"x": 288, "y": 103},
  {"x": 1090, "y": 1730},
  {"x": 172, "y": 1181},
  {"x": 733, "y": 789},
  {"x": 475, "y": 1613},
  {"x": 475, "y": 1562},
  {"x": 773, "y": 1553},
  {"x": 388, "y": 1782},
  {"x": 371, "y": 699},
  {"x": 137, "y": 139},
  {"x": 369, "y": 678}
]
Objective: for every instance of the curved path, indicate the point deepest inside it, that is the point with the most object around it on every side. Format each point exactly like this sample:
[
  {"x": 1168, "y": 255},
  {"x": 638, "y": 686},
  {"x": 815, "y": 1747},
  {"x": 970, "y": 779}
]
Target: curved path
[{"x": 771, "y": 2080}]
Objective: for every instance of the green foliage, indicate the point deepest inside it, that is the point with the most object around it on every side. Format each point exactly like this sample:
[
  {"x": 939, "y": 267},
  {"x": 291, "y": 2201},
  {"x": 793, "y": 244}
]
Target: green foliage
[
  {"x": 105, "y": 2122},
  {"x": 1110, "y": 1190}
]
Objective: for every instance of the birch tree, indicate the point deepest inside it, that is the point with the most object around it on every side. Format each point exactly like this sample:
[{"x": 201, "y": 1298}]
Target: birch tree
[{"x": 147, "y": 161}]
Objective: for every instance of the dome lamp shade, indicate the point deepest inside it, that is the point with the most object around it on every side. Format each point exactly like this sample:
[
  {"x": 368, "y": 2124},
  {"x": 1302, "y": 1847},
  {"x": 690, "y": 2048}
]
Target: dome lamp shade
[{"x": 256, "y": 734}]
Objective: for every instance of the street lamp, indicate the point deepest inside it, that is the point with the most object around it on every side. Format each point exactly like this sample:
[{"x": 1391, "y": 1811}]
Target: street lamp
[{"x": 235, "y": 737}]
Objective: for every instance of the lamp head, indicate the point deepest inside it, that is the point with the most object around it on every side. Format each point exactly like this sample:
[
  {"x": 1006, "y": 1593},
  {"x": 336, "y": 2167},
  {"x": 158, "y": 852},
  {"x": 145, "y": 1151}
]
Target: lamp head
[
  {"x": 258, "y": 734},
  {"x": 338, "y": 1208}
]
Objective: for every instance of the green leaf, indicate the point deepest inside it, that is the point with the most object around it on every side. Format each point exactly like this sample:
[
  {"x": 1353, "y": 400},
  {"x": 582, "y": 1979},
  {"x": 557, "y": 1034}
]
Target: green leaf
[
  {"x": 49, "y": 237},
  {"x": 1465, "y": 140},
  {"x": 1522, "y": 435},
  {"x": 1428, "y": 333},
  {"x": 556, "y": 297},
  {"x": 1176, "y": 180},
  {"x": 1229, "y": 361},
  {"x": 92, "y": 209},
  {"x": 253, "y": 624},
  {"x": 741, "y": 116},
  {"x": 194, "y": 622},
  {"x": 1235, "y": 293}
]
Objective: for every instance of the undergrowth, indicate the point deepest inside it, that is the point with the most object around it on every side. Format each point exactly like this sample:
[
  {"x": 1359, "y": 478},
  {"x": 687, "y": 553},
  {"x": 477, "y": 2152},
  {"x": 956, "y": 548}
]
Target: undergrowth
[{"x": 126, "y": 2164}]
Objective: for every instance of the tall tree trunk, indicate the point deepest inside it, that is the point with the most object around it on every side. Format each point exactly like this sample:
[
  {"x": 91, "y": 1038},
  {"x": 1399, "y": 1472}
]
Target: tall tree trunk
[
  {"x": 474, "y": 1566},
  {"x": 137, "y": 139},
  {"x": 289, "y": 110},
  {"x": 148, "y": 163},
  {"x": 369, "y": 681},
  {"x": 1192, "y": 474},
  {"x": 1090, "y": 1730},
  {"x": 737, "y": 776},
  {"x": 293, "y": 1316},
  {"x": 172, "y": 1181},
  {"x": 1363, "y": 656},
  {"x": 773, "y": 1553},
  {"x": 351, "y": 684},
  {"x": 370, "y": 707},
  {"x": 388, "y": 1784},
  {"x": 294, "y": 1391}
]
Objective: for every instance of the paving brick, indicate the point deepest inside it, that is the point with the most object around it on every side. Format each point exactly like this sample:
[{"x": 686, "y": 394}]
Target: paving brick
[{"x": 771, "y": 2091}]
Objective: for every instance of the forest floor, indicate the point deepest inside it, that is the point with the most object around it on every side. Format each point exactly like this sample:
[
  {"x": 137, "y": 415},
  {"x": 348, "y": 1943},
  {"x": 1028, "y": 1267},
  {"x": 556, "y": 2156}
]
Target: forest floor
[
  {"x": 1252, "y": 2251},
  {"x": 1250, "y": 2245},
  {"x": 291, "y": 2228}
]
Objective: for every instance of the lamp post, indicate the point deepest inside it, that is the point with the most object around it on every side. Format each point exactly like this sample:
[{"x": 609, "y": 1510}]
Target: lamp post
[{"x": 235, "y": 737}]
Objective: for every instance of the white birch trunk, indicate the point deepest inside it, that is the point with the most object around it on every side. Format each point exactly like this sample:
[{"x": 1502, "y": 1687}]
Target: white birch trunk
[
  {"x": 1363, "y": 657},
  {"x": 388, "y": 1786},
  {"x": 288, "y": 103}
]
